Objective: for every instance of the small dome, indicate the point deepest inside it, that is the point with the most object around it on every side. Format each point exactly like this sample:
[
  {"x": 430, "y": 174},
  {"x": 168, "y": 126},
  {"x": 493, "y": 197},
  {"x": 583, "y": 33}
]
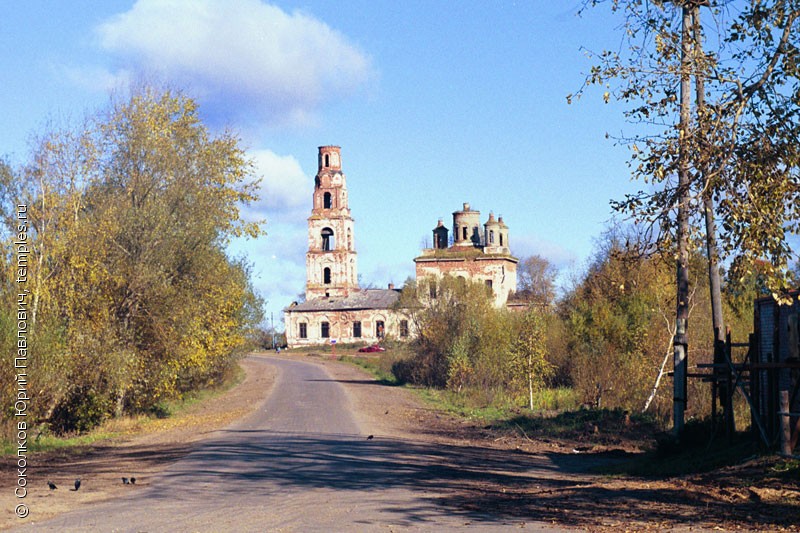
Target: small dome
[{"x": 492, "y": 221}]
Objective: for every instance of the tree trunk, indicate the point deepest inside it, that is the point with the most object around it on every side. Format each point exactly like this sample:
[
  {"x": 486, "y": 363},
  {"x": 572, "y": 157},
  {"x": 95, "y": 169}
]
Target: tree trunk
[
  {"x": 714, "y": 281},
  {"x": 680, "y": 343},
  {"x": 530, "y": 381}
]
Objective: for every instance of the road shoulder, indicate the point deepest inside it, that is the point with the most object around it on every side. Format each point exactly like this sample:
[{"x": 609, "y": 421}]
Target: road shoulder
[{"x": 101, "y": 466}]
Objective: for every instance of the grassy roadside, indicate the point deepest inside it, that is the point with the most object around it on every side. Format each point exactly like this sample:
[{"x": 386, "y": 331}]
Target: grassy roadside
[
  {"x": 649, "y": 451},
  {"x": 165, "y": 416}
]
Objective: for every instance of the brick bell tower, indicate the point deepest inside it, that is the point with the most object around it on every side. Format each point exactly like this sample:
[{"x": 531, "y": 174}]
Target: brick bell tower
[{"x": 331, "y": 269}]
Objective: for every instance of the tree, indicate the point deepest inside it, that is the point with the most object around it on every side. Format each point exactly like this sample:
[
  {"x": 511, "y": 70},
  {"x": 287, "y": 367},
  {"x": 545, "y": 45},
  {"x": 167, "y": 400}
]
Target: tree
[
  {"x": 536, "y": 280},
  {"x": 136, "y": 299},
  {"x": 529, "y": 350},
  {"x": 735, "y": 154}
]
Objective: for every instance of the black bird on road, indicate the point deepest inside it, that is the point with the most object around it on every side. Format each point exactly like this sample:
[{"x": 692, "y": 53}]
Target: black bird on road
[
  {"x": 126, "y": 481},
  {"x": 77, "y": 484},
  {"x": 51, "y": 485},
  {"x": 371, "y": 437}
]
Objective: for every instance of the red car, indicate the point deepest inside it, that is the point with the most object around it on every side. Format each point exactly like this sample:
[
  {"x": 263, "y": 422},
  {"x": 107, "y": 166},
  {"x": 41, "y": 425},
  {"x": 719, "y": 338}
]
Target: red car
[{"x": 372, "y": 348}]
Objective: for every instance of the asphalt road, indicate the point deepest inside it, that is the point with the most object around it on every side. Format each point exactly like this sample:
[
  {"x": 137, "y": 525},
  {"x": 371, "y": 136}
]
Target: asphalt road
[{"x": 302, "y": 463}]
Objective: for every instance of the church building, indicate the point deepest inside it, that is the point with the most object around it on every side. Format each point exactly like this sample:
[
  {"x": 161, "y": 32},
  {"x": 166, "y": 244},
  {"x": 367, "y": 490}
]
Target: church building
[
  {"x": 335, "y": 308},
  {"x": 475, "y": 253}
]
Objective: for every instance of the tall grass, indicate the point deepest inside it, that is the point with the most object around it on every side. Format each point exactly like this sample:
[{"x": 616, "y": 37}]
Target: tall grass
[{"x": 40, "y": 439}]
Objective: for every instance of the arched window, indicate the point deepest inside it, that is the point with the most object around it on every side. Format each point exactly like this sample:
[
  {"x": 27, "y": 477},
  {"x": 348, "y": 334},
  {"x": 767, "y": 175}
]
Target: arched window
[
  {"x": 326, "y": 200},
  {"x": 327, "y": 240},
  {"x": 501, "y": 239},
  {"x": 326, "y": 276},
  {"x": 491, "y": 236},
  {"x": 327, "y": 160}
]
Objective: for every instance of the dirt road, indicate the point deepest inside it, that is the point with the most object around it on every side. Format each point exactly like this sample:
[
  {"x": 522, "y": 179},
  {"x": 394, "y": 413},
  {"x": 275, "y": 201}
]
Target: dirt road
[{"x": 302, "y": 461}]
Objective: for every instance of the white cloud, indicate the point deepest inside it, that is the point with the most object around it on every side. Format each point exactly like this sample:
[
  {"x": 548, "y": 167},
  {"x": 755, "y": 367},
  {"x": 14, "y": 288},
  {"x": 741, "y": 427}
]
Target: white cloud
[
  {"x": 278, "y": 264},
  {"x": 96, "y": 78},
  {"x": 244, "y": 59},
  {"x": 527, "y": 245},
  {"x": 284, "y": 188}
]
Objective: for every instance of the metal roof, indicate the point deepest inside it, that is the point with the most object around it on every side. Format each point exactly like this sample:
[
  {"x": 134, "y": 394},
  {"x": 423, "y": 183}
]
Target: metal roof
[{"x": 360, "y": 299}]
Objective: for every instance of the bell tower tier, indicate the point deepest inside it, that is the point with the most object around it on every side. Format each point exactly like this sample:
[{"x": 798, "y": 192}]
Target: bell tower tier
[{"x": 331, "y": 266}]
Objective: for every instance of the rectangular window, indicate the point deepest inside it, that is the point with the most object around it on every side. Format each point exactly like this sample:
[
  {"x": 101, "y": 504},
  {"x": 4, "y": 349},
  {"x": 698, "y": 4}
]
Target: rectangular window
[
  {"x": 303, "y": 330},
  {"x": 489, "y": 283},
  {"x": 464, "y": 231},
  {"x": 432, "y": 288},
  {"x": 379, "y": 332},
  {"x": 326, "y": 330},
  {"x": 357, "y": 330},
  {"x": 404, "y": 328}
]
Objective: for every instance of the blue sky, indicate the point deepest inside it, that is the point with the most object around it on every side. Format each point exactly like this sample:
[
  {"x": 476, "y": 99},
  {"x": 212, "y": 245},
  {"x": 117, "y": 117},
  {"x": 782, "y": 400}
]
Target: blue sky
[{"x": 433, "y": 103}]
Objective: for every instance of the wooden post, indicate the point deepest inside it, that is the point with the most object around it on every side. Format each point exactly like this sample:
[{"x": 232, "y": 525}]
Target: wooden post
[
  {"x": 730, "y": 420},
  {"x": 786, "y": 432}
]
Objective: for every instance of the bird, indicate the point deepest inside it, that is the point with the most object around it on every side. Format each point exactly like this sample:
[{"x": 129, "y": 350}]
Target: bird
[
  {"x": 371, "y": 437},
  {"x": 77, "y": 484},
  {"x": 126, "y": 481},
  {"x": 133, "y": 481},
  {"x": 387, "y": 412},
  {"x": 51, "y": 485}
]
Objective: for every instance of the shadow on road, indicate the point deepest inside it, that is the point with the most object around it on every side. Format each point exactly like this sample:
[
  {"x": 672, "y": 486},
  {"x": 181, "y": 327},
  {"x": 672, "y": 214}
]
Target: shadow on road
[{"x": 474, "y": 483}]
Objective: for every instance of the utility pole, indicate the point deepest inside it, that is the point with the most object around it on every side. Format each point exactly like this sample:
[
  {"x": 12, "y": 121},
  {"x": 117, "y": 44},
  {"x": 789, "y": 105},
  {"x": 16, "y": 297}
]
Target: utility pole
[{"x": 272, "y": 327}]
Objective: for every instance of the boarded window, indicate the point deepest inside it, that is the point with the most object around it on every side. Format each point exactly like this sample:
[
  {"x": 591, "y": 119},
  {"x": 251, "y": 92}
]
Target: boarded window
[
  {"x": 357, "y": 330},
  {"x": 326, "y": 330},
  {"x": 303, "y": 330},
  {"x": 404, "y": 328}
]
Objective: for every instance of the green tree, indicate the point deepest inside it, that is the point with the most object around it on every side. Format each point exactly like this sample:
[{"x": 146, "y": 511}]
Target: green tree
[
  {"x": 529, "y": 350},
  {"x": 734, "y": 153},
  {"x": 136, "y": 299}
]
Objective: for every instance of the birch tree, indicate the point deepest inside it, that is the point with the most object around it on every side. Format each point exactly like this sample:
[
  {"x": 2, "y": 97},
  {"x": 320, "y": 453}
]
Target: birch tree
[{"x": 734, "y": 152}]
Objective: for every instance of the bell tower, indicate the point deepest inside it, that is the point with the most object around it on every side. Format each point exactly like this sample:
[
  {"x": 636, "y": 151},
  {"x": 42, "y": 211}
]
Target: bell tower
[{"x": 331, "y": 269}]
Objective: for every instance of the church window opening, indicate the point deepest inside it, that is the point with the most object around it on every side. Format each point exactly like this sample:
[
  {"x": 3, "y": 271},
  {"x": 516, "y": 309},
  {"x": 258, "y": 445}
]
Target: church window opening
[
  {"x": 501, "y": 239},
  {"x": 432, "y": 289},
  {"x": 491, "y": 236},
  {"x": 379, "y": 329},
  {"x": 326, "y": 276},
  {"x": 326, "y": 200},
  {"x": 326, "y": 330},
  {"x": 489, "y": 283},
  {"x": 357, "y": 329},
  {"x": 327, "y": 240},
  {"x": 327, "y": 160},
  {"x": 303, "y": 330},
  {"x": 464, "y": 233},
  {"x": 404, "y": 328}
]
